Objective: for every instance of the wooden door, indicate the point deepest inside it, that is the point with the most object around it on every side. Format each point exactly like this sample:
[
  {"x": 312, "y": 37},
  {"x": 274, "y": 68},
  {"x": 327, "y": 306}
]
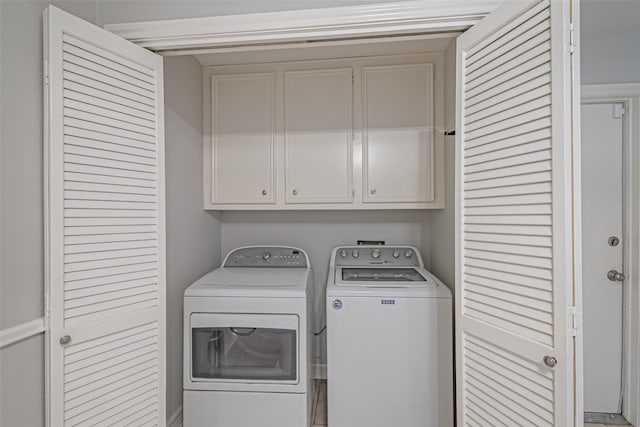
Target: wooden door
[
  {"x": 517, "y": 252},
  {"x": 105, "y": 238}
]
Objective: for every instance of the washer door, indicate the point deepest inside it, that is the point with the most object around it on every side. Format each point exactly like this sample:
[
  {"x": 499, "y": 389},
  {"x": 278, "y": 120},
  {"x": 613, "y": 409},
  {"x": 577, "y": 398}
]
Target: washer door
[{"x": 242, "y": 348}]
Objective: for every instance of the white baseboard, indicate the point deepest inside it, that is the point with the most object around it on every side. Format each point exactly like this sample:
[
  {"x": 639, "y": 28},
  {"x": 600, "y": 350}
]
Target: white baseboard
[
  {"x": 176, "y": 419},
  {"x": 320, "y": 371}
]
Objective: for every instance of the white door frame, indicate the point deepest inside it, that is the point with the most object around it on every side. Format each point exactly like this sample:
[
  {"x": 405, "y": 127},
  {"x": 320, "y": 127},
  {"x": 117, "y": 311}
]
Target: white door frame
[
  {"x": 629, "y": 95},
  {"x": 277, "y": 30}
]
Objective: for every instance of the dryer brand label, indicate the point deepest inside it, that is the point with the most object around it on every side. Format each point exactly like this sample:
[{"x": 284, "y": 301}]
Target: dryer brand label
[
  {"x": 387, "y": 301},
  {"x": 337, "y": 304}
]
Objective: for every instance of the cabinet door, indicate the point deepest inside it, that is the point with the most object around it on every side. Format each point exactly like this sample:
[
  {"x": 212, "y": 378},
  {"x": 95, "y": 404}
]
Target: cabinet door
[
  {"x": 398, "y": 144},
  {"x": 243, "y": 138},
  {"x": 318, "y": 135}
]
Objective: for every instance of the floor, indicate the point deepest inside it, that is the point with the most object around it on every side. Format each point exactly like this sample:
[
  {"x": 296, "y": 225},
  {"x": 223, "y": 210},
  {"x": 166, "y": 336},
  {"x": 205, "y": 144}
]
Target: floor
[
  {"x": 320, "y": 407},
  {"x": 319, "y": 418}
]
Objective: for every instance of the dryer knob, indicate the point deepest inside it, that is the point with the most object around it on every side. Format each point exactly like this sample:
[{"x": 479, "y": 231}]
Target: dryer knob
[
  {"x": 355, "y": 253},
  {"x": 375, "y": 254},
  {"x": 343, "y": 253},
  {"x": 396, "y": 253},
  {"x": 266, "y": 256},
  {"x": 408, "y": 253}
]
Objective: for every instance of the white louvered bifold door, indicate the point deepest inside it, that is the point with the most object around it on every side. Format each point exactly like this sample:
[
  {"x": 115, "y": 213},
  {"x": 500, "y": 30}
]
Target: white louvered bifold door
[
  {"x": 515, "y": 217},
  {"x": 105, "y": 244}
]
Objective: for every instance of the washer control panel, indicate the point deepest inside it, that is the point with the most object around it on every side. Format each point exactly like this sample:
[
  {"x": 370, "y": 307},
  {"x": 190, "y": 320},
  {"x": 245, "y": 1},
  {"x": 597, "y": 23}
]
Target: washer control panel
[
  {"x": 266, "y": 256},
  {"x": 395, "y": 256}
]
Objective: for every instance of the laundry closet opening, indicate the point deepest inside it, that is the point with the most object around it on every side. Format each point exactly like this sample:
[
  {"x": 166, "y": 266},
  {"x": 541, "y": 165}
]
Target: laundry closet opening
[{"x": 318, "y": 225}]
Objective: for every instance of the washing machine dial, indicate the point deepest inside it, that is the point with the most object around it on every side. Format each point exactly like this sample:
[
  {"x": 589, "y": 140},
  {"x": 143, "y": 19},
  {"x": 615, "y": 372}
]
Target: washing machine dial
[
  {"x": 355, "y": 253},
  {"x": 396, "y": 253},
  {"x": 375, "y": 254},
  {"x": 343, "y": 253},
  {"x": 266, "y": 256},
  {"x": 408, "y": 253}
]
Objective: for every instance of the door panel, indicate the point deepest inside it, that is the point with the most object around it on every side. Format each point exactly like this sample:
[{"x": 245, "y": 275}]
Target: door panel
[
  {"x": 243, "y": 138},
  {"x": 317, "y": 133},
  {"x": 602, "y": 205},
  {"x": 514, "y": 258},
  {"x": 398, "y": 133},
  {"x": 105, "y": 278}
]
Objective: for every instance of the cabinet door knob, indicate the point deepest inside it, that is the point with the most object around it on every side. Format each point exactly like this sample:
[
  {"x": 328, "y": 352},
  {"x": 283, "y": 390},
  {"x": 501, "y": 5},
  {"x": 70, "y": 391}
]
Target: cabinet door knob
[
  {"x": 264, "y": 192},
  {"x": 373, "y": 191},
  {"x": 66, "y": 339},
  {"x": 295, "y": 192}
]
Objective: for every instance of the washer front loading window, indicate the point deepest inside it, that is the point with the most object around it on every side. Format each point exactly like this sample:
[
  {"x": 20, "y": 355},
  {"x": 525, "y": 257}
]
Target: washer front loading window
[
  {"x": 247, "y": 341},
  {"x": 389, "y": 340}
]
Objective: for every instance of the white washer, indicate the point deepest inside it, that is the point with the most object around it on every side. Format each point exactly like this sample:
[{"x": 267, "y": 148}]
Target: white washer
[
  {"x": 247, "y": 341},
  {"x": 389, "y": 340}
]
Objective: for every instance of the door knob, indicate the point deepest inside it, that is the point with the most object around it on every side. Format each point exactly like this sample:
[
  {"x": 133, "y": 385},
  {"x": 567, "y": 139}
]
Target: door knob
[
  {"x": 550, "y": 361},
  {"x": 615, "y": 276},
  {"x": 66, "y": 339}
]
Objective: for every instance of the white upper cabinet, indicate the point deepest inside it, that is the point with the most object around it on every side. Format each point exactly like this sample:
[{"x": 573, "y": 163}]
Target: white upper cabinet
[
  {"x": 318, "y": 135},
  {"x": 333, "y": 134},
  {"x": 398, "y": 134},
  {"x": 243, "y": 138}
]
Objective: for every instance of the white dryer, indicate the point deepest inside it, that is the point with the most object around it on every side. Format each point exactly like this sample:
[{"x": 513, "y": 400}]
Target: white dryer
[
  {"x": 247, "y": 341},
  {"x": 389, "y": 340}
]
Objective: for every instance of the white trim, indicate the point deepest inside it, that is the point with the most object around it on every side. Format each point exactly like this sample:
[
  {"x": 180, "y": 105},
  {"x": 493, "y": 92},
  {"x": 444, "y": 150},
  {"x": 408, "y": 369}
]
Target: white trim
[
  {"x": 596, "y": 92},
  {"x": 21, "y": 332},
  {"x": 334, "y": 23},
  {"x": 320, "y": 371},
  {"x": 629, "y": 94},
  {"x": 175, "y": 420}
]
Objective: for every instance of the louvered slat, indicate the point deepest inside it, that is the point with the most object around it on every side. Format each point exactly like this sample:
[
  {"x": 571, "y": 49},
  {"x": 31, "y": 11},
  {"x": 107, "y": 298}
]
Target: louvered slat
[
  {"x": 93, "y": 98},
  {"x": 76, "y": 135},
  {"x": 104, "y": 151},
  {"x": 513, "y": 382},
  {"x": 509, "y": 178},
  {"x": 516, "y": 102}
]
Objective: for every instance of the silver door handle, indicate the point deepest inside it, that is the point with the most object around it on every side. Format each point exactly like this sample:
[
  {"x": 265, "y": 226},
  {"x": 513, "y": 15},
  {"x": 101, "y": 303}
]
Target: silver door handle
[
  {"x": 615, "y": 276},
  {"x": 66, "y": 339}
]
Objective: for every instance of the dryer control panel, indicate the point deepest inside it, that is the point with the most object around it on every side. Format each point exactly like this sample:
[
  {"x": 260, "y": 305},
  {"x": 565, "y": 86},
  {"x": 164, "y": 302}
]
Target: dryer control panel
[
  {"x": 266, "y": 256},
  {"x": 389, "y": 256}
]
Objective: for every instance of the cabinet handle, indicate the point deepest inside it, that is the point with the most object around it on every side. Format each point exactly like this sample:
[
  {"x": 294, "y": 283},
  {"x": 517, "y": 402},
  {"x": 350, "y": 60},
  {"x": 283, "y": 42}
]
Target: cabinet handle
[
  {"x": 264, "y": 192},
  {"x": 64, "y": 340},
  {"x": 373, "y": 191},
  {"x": 295, "y": 192}
]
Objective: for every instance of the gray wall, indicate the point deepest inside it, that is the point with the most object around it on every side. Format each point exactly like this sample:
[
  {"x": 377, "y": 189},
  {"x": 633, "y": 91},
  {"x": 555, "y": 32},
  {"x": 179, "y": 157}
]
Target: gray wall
[
  {"x": 21, "y": 204},
  {"x": 193, "y": 235},
  {"x": 610, "y": 41},
  {"x": 442, "y": 221}
]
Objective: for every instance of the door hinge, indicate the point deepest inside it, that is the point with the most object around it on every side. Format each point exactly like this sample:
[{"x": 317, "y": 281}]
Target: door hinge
[
  {"x": 46, "y": 72},
  {"x": 572, "y": 38},
  {"x": 618, "y": 111},
  {"x": 574, "y": 320}
]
